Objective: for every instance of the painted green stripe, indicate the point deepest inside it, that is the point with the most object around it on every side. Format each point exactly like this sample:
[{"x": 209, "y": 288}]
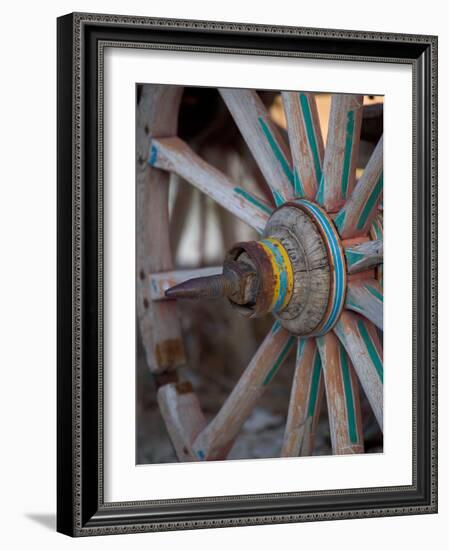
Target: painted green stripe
[
  {"x": 350, "y": 406},
  {"x": 352, "y": 256},
  {"x": 377, "y": 229},
  {"x": 299, "y": 189},
  {"x": 339, "y": 219},
  {"x": 279, "y": 361},
  {"x": 252, "y": 199},
  {"x": 375, "y": 292},
  {"x": 277, "y": 151},
  {"x": 278, "y": 199},
  {"x": 370, "y": 203},
  {"x": 372, "y": 351},
  {"x": 352, "y": 305},
  {"x": 313, "y": 396},
  {"x": 348, "y": 152},
  {"x": 319, "y": 198},
  {"x": 310, "y": 130}
]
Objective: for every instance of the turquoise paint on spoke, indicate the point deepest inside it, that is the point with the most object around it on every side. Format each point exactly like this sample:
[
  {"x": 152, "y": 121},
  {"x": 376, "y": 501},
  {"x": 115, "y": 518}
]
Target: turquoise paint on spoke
[
  {"x": 350, "y": 405},
  {"x": 372, "y": 351},
  {"x": 339, "y": 219},
  {"x": 375, "y": 293},
  {"x": 278, "y": 198},
  {"x": 153, "y": 155},
  {"x": 313, "y": 396},
  {"x": 351, "y": 305},
  {"x": 279, "y": 361},
  {"x": 319, "y": 197},
  {"x": 311, "y": 134},
  {"x": 299, "y": 189},
  {"x": 253, "y": 200},
  {"x": 348, "y": 151},
  {"x": 276, "y": 326},
  {"x": 370, "y": 203},
  {"x": 353, "y": 257},
  {"x": 277, "y": 151},
  {"x": 201, "y": 455},
  {"x": 300, "y": 348}
]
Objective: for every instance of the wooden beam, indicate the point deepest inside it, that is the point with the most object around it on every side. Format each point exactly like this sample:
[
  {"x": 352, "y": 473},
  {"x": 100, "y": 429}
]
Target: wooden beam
[
  {"x": 342, "y": 146},
  {"x": 263, "y": 139},
  {"x": 183, "y": 417},
  {"x": 342, "y": 396},
  {"x": 174, "y": 155},
  {"x": 157, "y": 114},
  {"x": 306, "y": 141},
  {"x": 361, "y": 341},
  {"x": 357, "y": 215},
  {"x": 216, "y": 439},
  {"x": 366, "y": 297},
  {"x": 305, "y": 401},
  {"x": 364, "y": 256}
]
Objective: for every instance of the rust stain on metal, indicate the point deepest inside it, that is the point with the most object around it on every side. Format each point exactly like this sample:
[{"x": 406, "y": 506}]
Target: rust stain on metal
[
  {"x": 184, "y": 387},
  {"x": 170, "y": 353},
  {"x": 164, "y": 378}
]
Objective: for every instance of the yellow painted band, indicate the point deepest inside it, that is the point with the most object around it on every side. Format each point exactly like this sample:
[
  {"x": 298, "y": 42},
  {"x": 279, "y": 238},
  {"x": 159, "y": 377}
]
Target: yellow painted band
[{"x": 280, "y": 292}]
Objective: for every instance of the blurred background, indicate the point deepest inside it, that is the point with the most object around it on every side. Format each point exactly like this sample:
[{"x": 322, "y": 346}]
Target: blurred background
[{"x": 219, "y": 343}]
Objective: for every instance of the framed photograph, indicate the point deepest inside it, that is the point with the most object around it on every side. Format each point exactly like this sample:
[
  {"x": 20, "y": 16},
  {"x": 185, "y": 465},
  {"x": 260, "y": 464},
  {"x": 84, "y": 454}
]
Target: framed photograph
[{"x": 246, "y": 274}]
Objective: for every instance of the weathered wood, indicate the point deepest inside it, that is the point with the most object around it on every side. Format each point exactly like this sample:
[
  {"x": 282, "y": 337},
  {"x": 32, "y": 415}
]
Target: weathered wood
[
  {"x": 340, "y": 157},
  {"x": 174, "y": 155},
  {"x": 157, "y": 114},
  {"x": 364, "y": 256},
  {"x": 366, "y": 297},
  {"x": 305, "y": 401},
  {"x": 263, "y": 139},
  {"x": 160, "y": 282},
  {"x": 215, "y": 440},
  {"x": 342, "y": 397},
  {"x": 356, "y": 217},
  {"x": 183, "y": 417},
  {"x": 360, "y": 339},
  {"x": 306, "y": 141},
  {"x": 376, "y": 232}
]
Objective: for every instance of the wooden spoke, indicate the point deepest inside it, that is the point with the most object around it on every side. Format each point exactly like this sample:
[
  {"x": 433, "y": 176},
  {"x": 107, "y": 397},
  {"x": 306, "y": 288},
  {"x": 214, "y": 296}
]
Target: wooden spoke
[
  {"x": 306, "y": 141},
  {"x": 376, "y": 232},
  {"x": 356, "y": 217},
  {"x": 342, "y": 146},
  {"x": 160, "y": 282},
  {"x": 342, "y": 396},
  {"x": 366, "y": 297},
  {"x": 305, "y": 401},
  {"x": 360, "y": 338},
  {"x": 216, "y": 439},
  {"x": 364, "y": 255},
  {"x": 183, "y": 417},
  {"x": 158, "y": 321},
  {"x": 263, "y": 139},
  {"x": 173, "y": 154}
]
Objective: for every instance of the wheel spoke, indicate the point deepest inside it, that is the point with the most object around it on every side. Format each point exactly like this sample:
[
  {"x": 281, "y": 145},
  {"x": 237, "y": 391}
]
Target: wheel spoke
[
  {"x": 356, "y": 217},
  {"x": 342, "y": 396},
  {"x": 364, "y": 256},
  {"x": 342, "y": 146},
  {"x": 183, "y": 417},
  {"x": 158, "y": 321},
  {"x": 359, "y": 337},
  {"x": 305, "y": 401},
  {"x": 263, "y": 139},
  {"x": 173, "y": 154},
  {"x": 160, "y": 282},
  {"x": 216, "y": 439},
  {"x": 306, "y": 142},
  {"x": 366, "y": 297}
]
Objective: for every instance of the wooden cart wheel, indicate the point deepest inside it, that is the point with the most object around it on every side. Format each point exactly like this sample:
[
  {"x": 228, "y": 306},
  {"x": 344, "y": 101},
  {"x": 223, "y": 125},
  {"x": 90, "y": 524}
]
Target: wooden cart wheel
[{"x": 317, "y": 269}]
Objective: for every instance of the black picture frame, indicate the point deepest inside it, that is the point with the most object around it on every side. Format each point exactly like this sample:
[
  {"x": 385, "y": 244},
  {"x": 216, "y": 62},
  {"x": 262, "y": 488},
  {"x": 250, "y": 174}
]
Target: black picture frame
[{"x": 81, "y": 509}]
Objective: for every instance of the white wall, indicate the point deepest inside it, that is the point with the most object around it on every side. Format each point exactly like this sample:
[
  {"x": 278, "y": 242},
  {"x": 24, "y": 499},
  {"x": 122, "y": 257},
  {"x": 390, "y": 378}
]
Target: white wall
[{"x": 27, "y": 229}]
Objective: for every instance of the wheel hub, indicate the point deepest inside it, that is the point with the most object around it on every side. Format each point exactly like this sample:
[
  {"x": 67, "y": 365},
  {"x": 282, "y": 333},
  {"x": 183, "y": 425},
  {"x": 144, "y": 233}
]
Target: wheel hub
[{"x": 296, "y": 271}]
